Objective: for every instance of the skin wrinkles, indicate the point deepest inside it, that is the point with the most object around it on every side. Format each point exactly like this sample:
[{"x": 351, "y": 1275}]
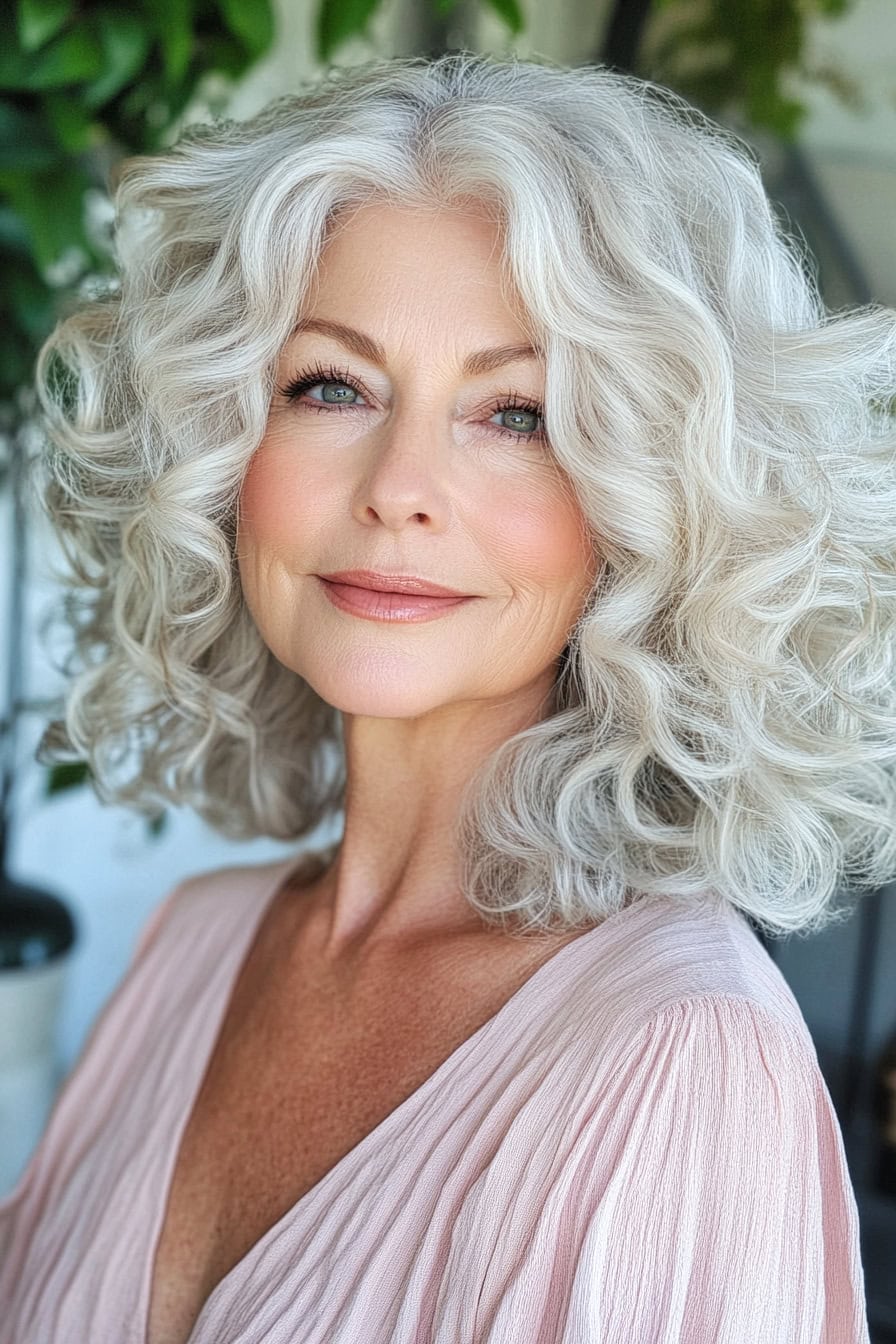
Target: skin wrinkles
[
  {"x": 481, "y": 361},
  {"x": 412, "y": 475}
]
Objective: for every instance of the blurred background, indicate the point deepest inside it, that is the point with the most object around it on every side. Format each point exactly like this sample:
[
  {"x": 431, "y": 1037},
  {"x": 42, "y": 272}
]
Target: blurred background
[{"x": 810, "y": 83}]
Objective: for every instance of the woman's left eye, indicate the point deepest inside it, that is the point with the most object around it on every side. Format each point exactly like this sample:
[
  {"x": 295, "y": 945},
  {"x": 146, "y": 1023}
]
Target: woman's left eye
[{"x": 521, "y": 418}]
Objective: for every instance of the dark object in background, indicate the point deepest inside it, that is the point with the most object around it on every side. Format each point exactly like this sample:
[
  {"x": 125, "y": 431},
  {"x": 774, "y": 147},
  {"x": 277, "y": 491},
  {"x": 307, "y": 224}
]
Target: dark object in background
[
  {"x": 37, "y": 934},
  {"x": 885, "y": 1114},
  {"x": 35, "y": 927}
]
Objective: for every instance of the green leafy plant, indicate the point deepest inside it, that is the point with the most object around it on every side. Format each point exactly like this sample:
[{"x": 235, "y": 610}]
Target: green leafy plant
[
  {"x": 339, "y": 20},
  {"x": 82, "y": 84},
  {"x": 734, "y": 56}
]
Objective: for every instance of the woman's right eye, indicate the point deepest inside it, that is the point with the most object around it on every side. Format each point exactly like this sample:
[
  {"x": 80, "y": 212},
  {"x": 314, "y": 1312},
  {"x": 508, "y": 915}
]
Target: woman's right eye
[{"x": 339, "y": 388}]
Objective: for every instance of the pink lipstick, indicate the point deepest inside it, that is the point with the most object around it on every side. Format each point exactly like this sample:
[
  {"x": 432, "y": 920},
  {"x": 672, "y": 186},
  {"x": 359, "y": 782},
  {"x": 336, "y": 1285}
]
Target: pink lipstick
[{"x": 376, "y": 605}]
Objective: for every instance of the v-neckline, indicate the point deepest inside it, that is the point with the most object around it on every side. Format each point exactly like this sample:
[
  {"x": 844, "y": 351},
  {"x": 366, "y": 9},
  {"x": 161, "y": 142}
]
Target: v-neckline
[{"x": 283, "y": 871}]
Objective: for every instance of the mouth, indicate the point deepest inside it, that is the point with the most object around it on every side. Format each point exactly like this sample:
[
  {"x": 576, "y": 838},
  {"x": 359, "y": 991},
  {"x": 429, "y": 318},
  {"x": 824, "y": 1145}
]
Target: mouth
[
  {"x": 380, "y": 605},
  {"x": 410, "y": 584}
]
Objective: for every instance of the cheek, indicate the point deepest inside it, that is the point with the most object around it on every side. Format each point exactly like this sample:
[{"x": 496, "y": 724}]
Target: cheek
[
  {"x": 262, "y": 495},
  {"x": 272, "y": 535},
  {"x": 546, "y": 539},
  {"x": 271, "y": 503}
]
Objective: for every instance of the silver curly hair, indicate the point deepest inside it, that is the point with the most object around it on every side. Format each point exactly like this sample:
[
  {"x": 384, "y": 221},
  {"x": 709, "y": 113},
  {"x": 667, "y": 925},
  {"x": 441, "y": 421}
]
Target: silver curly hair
[{"x": 723, "y": 724}]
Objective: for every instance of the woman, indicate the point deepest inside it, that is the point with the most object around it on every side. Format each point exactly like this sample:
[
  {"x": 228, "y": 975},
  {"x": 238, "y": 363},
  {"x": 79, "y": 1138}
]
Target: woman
[{"x": 506, "y": 1063}]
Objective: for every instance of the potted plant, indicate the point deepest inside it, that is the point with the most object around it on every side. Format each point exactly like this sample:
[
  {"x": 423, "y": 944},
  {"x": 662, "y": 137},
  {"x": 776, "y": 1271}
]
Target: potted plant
[{"x": 81, "y": 84}]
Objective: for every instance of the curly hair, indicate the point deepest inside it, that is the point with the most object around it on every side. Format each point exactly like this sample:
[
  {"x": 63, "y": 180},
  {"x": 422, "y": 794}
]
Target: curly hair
[{"x": 723, "y": 724}]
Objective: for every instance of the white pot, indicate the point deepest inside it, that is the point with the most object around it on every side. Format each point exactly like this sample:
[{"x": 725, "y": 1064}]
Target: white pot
[{"x": 30, "y": 998}]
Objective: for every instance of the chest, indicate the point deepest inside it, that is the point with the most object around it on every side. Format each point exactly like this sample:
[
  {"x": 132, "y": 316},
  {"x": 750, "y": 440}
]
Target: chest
[{"x": 297, "y": 1079}]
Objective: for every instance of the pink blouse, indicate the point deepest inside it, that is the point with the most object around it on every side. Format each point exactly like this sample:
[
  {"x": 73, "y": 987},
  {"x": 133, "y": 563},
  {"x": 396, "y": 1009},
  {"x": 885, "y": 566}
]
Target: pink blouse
[{"x": 637, "y": 1148}]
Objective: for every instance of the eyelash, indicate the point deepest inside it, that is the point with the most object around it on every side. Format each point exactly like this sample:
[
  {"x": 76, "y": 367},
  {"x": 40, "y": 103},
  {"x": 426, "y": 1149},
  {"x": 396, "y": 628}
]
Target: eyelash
[{"x": 319, "y": 373}]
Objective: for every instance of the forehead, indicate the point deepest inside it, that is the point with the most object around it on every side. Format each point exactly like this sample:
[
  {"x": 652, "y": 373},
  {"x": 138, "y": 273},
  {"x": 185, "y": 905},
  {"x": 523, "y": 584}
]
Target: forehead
[
  {"x": 378, "y": 215},
  {"x": 403, "y": 264}
]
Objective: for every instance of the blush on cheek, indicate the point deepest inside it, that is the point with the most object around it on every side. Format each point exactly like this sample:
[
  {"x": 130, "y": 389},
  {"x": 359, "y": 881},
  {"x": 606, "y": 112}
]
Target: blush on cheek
[
  {"x": 542, "y": 539},
  {"x": 269, "y": 497}
]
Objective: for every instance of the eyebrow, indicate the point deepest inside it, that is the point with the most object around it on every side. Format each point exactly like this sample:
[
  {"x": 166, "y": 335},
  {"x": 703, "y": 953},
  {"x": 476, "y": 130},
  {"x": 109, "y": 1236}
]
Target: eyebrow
[{"x": 479, "y": 362}]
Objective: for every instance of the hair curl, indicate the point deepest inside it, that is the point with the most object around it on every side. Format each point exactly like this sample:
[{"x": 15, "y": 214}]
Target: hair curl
[{"x": 724, "y": 719}]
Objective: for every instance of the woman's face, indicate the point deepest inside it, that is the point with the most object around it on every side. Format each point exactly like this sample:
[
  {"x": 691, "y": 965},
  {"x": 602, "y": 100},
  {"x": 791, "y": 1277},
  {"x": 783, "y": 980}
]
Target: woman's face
[{"x": 396, "y": 458}]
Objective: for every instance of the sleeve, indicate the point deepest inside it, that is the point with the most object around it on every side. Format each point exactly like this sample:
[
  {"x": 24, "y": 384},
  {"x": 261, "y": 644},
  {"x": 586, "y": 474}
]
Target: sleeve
[
  {"x": 154, "y": 921},
  {"x": 721, "y": 1209},
  {"x": 109, "y": 1009}
]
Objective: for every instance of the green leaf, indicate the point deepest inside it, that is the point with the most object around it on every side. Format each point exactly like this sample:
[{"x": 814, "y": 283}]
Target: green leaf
[
  {"x": 32, "y": 303},
  {"x": 338, "y": 20},
  {"x": 66, "y": 775},
  {"x": 39, "y": 20},
  {"x": 136, "y": 99},
  {"x": 27, "y": 315},
  {"x": 71, "y": 122},
  {"x": 69, "y": 59},
  {"x": 24, "y": 142},
  {"x": 51, "y": 206},
  {"x": 510, "y": 12},
  {"x": 252, "y": 21},
  {"x": 13, "y": 234},
  {"x": 174, "y": 26},
  {"x": 16, "y": 366},
  {"x": 177, "y": 48},
  {"x": 224, "y": 54},
  {"x": 781, "y": 115},
  {"x": 155, "y": 825},
  {"x": 125, "y": 43}
]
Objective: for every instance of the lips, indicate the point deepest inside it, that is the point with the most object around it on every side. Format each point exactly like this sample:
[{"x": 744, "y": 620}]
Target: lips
[
  {"x": 375, "y": 581},
  {"x": 374, "y": 604}
]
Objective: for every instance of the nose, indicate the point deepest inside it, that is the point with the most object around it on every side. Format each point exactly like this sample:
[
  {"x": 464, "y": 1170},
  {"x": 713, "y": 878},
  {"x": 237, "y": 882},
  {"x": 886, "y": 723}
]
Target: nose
[{"x": 404, "y": 479}]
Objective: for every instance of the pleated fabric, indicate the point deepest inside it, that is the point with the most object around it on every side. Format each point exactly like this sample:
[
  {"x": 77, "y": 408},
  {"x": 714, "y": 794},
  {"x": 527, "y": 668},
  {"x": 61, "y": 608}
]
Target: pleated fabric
[{"x": 637, "y": 1148}]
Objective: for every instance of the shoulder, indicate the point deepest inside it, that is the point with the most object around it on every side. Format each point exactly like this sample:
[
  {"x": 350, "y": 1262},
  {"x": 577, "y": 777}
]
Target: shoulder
[
  {"x": 232, "y": 891},
  {"x": 692, "y": 973},
  {"x": 727, "y": 1041},
  {"x": 717, "y": 1182}
]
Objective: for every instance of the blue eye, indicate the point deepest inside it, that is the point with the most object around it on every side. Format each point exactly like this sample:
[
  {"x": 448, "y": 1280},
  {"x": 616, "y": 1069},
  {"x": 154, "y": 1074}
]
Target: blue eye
[
  {"x": 522, "y": 413},
  {"x": 319, "y": 376},
  {"x": 340, "y": 389}
]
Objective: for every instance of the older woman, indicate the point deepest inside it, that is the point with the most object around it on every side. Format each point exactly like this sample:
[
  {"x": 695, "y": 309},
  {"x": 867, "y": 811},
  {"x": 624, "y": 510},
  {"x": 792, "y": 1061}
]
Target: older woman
[{"x": 466, "y": 449}]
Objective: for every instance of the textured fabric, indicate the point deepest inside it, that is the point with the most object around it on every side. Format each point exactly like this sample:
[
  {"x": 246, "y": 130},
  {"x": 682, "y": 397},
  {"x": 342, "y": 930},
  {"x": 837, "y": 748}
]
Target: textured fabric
[{"x": 638, "y": 1148}]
